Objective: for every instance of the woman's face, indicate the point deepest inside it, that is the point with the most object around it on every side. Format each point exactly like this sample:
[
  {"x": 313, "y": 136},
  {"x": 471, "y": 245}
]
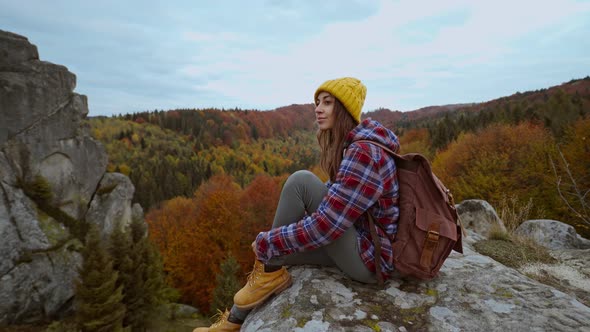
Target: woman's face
[{"x": 324, "y": 111}]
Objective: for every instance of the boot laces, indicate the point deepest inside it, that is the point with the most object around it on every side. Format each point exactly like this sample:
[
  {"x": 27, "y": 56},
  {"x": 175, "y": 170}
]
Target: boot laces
[
  {"x": 256, "y": 272},
  {"x": 221, "y": 317}
]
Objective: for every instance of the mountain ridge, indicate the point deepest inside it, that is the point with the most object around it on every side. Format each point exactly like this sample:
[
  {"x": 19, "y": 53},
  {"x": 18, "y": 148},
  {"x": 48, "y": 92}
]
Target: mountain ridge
[
  {"x": 284, "y": 119},
  {"x": 570, "y": 87}
]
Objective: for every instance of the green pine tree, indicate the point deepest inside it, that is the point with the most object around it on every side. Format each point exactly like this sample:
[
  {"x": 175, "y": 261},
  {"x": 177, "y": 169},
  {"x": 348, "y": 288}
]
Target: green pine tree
[
  {"x": 146, "y": 290},
  {"x": 157, "y": 289},
  {"x": 137, "y": 308},
  {"x": 120, "y": 249},
  {"x": 98, "y": 299},
  {"x": 138, "y": 230},
  {"x": 226, "y": 285}
]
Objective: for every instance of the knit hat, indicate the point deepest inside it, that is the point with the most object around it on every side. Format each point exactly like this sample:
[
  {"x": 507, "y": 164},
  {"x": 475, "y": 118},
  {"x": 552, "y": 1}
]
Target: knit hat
[{"x": 350, "y": 91}]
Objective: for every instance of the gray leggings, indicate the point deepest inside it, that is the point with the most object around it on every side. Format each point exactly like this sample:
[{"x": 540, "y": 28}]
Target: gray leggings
[{"x": 301, "y": 195}]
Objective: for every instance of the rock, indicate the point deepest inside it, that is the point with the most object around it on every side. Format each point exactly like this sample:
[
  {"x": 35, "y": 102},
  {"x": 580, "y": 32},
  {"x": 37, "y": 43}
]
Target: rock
[
  {"x": 479, "y": 216},
  {"x": 15, "y": 49},
  {"x": 180, "y": 310},
  {"x": 552, "y": 234},
  {"x": 137, "y": 212},
  {"x": 40, "y": 285},
  {"x": 472, "y": 293},
  {"x": 571, "y": 273},
  {"x": 43, "y": 135},
  {"x": 472, "y": 237},
  {"x": 31, "y": 89},
  {"x": 39, "y": 261},
  {"x": 20, "y": 229},
  {"x": 111, "y": 206},
  {"x": 42, "y": 130}
]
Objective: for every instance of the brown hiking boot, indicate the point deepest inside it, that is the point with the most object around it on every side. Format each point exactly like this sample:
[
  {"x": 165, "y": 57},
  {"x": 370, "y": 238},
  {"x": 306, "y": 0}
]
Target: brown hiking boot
[
  {"x": 261, "y": 285},
  {"x": 221, "y": 325}
]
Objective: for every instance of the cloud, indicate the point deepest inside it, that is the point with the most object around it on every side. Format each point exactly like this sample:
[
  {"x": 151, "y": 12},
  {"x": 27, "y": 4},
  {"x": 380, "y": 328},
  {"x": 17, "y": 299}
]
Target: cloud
[
  {"x": 375, "y": 48},
  {"x": 266, "y": 54}
]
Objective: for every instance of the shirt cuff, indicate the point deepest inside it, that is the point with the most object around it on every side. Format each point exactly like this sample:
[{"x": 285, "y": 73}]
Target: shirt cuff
[{"x": 262, "y": 247}]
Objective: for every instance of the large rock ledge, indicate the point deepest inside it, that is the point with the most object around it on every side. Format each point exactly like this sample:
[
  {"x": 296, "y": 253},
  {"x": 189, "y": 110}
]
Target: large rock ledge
[
  {"x": 43, "y": 135},
  {"x": 472, "y": 293}
]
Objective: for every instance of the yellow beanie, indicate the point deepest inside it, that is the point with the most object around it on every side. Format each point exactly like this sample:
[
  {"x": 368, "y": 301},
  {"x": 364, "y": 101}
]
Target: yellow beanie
[{"x": 350, "y": 91}]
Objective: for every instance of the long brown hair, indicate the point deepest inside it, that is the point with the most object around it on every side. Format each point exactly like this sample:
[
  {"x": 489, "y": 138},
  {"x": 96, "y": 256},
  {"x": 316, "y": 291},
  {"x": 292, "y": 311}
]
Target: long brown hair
[{"x": 332, "y": 140}]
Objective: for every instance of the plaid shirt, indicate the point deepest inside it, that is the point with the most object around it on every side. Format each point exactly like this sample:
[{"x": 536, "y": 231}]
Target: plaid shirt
[{"x": 366, "y": 181}]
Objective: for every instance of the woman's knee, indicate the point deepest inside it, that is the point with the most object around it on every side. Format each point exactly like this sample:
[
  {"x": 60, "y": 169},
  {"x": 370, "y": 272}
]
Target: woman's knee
[{"x": 302, "y": 177}]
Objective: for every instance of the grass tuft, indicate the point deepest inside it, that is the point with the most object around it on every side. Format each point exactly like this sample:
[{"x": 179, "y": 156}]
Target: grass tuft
[
  {"x": 498, "y": 233},
  {"x": 514, "y": 252},
  {"x": 513, "y": 212},
  {"x": 508, "y": 248}
]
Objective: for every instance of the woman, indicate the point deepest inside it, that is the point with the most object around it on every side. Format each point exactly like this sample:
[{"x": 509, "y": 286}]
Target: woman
[{"x": 326, "y": 224}]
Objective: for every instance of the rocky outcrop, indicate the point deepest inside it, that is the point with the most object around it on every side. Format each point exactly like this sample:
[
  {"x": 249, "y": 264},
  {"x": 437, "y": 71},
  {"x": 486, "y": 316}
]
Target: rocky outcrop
[
  {"x": 111, "y": 206},
  {"x": 42, "y": 126},
  {"x": 44, "y": 143},
  {"x": 552, "y": 234},
  {"x": 571, "y": 273},
  {"x": 472, "y": 293},
  {"x": 479, "y": 216}
]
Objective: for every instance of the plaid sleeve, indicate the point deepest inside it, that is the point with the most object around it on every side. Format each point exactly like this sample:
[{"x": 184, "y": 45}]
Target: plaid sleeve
[{"x": 357, "y": 187}]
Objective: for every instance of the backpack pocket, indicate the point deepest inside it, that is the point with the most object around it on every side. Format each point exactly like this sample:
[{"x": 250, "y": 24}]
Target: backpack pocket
[{"x": 427, "y": 241}]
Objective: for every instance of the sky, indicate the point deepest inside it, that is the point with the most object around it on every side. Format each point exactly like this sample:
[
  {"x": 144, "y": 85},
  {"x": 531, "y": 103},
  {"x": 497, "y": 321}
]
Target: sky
[{"x": 132, "y": 56}]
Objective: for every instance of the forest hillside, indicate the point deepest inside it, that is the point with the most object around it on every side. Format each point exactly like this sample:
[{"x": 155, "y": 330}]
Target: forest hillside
[{"x": 210, "y": 178}]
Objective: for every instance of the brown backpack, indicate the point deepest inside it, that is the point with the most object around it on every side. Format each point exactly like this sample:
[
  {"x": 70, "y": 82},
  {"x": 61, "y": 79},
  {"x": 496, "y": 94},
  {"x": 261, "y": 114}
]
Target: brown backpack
[{"x": 428, "y": 227}]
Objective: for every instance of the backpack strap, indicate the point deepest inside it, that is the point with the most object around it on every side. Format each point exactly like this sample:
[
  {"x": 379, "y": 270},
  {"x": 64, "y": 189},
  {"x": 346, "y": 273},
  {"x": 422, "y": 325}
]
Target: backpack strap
[
  {"x": 377, "y": 245},
  {"x": 430, "y": 244},
  {"x": 372, "y": 224},
  {"x": 379, "y": 145}
]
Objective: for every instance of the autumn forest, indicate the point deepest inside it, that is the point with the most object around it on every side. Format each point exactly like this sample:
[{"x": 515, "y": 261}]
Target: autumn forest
[{"x": 209, "y": 179}]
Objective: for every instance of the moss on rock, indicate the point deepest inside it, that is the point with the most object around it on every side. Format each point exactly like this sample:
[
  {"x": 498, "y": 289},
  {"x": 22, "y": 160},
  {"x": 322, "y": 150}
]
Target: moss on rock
[
  {"x": 53, "y": 230},
  {"x": 514, "y": 253}
]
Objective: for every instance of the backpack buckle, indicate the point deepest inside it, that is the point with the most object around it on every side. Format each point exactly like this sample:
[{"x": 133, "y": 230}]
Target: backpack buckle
[
  {"x": 430, "y": 244},
  {"x": 432, "y": 236}
]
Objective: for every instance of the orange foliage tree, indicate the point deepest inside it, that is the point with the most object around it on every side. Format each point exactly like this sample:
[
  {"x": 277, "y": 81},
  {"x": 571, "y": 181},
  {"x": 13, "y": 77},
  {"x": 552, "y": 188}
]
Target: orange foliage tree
[
  {"x": 501, "y": 161},
  {"x": 572, "y": 171},
  {"x": 576, "y": 149},
  {"x": 259, "y": 201},
  {"x": 195, "y": 234},
  {"x": 173, "y": 228}
]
